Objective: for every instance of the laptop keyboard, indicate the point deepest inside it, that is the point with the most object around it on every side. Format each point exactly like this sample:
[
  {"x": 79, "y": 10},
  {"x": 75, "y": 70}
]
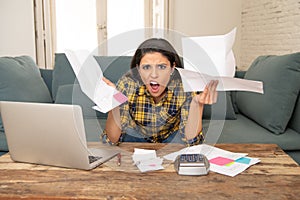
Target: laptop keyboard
[{"x": 94, "y": 158}]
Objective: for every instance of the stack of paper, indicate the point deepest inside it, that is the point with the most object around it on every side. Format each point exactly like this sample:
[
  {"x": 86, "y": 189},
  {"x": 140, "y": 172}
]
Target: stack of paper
[
  {"x": 146, "y": 160},
  {"x": 221, "y": 161}
]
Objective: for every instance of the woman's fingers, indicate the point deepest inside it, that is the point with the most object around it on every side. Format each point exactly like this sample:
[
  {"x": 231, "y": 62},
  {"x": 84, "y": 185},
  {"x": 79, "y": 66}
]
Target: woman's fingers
[
  {"x": 209, "y": 94},
  {"x": 203, "y": 95},
  {"x": 108, "y": 82},
  {"x": 214, "y": 93}
]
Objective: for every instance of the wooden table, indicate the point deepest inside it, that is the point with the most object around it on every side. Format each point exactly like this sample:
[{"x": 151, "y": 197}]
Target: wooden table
[{"x": 277, "y": 176}]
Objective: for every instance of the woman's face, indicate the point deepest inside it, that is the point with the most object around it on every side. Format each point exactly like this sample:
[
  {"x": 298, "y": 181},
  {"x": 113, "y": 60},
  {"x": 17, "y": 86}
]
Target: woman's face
[{"x": 155, "y": 70}]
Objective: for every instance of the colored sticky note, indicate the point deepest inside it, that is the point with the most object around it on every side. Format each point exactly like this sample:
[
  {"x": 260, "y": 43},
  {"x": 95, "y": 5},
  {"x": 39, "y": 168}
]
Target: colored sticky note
[
  {"x": 220, "y": 161},
  {"x": 229, "y": 164},
  {"x": 243, "y": 160},
  {"x": 120, "y": 97}
]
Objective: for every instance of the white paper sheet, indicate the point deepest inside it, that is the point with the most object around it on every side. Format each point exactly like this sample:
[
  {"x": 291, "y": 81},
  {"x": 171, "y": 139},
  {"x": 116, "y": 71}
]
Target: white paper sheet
[
  {"x": 143, "y": 154},
  {"x": 234, "y": 168},
  {"x": 146, "y": 160},
  {"x": 195, "y": 81},
  {"x": 233, "y": 165},
  {"x": 207, "y": 150},
  {"x": 211, "y": 55},
  {"x": 89, "y": 76}
]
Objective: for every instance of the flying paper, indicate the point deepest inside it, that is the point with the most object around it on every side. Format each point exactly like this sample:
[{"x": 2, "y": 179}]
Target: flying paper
[
  {"x": 211, "y": 55},
  {"x": 195, "y": 81},
  {"x": 89, "y": 75},
  {"x": 209, "y": 58}
]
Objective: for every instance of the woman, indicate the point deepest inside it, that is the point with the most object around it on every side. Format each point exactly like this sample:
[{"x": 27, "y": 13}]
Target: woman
[{"x": 158, "y": 110}]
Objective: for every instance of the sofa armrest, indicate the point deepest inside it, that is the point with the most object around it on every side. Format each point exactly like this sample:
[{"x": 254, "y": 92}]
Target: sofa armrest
[{"x": 47, "y": 75}]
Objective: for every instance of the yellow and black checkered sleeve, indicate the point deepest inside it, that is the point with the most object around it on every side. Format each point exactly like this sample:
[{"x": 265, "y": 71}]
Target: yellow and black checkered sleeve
[{"x": 199, "y": 138}]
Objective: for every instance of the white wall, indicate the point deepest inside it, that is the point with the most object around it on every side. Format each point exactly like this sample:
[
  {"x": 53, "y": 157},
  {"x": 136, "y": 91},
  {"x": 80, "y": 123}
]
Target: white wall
[
  {"x": 17, "y": 28},
  {"x": 207, "y": 17}
]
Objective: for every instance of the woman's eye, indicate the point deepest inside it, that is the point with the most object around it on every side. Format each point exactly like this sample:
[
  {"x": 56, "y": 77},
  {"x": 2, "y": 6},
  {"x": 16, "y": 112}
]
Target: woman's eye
[
  {"x": 146, "y": 67},
  {"x": 161, "y": 66}
]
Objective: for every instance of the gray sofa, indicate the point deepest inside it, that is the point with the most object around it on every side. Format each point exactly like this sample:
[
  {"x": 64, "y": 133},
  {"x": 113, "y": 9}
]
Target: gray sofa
[{"x": 273, "y": 117}]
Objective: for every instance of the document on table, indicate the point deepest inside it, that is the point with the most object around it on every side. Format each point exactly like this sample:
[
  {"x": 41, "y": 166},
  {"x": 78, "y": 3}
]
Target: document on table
[
  {"x": 196, "y": 81},
  {"x": 89, "y": 76},
  {"x": 221, "y": 161},
  {"x": 146, "y": 160},
  {"x": 231, "y": 167}
]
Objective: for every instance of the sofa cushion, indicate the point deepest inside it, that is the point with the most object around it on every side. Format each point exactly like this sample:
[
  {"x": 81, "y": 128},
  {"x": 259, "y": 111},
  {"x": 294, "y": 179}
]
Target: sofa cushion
[
  {"x": 281, "y": 79},
  {"x": 295, "y": 120},
  {"x": 47, "y": 75},
  {"x": 222, "y": 109},
  {"x": 245, "y": 130},
  {"x": 114, "y": 67},
  {"x": 63, "y": 73},
  {"x": 20, "y": 80},
  {"x": 72, "y": 94}
]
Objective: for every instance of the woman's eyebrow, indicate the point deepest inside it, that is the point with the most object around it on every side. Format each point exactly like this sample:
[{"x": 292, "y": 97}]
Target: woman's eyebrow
[{"x": 162, "y": 63}]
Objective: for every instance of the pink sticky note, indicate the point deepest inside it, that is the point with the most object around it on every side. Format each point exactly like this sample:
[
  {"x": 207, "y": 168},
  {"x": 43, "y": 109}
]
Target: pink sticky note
[
  {"x": 120, "y": 97},
  {"x": 220, "y": 161}
]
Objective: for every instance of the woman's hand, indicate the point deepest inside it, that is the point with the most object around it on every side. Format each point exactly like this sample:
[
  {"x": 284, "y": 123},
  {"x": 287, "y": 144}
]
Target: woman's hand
[
  {"x": 209, "y": 94},
  {"x": 108, "y": 82}
]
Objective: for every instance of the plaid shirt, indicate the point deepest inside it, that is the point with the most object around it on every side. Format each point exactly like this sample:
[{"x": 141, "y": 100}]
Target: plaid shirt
[{"x": 155, "y": 121}]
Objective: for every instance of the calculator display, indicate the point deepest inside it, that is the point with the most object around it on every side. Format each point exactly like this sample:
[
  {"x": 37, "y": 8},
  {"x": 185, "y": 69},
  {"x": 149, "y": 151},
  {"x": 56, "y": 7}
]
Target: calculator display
[{"x": 191, "y": 158}]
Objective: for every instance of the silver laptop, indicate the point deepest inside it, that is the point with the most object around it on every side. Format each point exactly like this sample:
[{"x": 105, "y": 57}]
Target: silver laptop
[{"x": 50, "y": 134}]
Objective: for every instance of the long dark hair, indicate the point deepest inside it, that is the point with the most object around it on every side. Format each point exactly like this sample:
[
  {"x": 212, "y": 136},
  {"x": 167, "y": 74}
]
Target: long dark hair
[{"x": 156, "y": 45}]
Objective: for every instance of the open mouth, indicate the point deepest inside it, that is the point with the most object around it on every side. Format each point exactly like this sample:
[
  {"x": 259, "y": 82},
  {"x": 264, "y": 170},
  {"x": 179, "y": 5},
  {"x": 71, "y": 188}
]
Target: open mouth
[{"x": 154, "y": 86}]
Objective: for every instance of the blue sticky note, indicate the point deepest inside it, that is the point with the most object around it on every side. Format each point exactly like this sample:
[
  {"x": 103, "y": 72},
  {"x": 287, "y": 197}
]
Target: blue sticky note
[{"x": 243, "y": 160}]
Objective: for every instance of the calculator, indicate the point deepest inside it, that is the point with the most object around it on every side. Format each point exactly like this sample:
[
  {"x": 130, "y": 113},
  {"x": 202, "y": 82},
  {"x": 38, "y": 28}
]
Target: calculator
[{"x": 192, "y": 164}]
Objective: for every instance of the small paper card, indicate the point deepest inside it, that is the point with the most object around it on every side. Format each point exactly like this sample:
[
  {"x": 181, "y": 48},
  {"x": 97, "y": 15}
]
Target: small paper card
[{"x": 146, "y": 160}]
